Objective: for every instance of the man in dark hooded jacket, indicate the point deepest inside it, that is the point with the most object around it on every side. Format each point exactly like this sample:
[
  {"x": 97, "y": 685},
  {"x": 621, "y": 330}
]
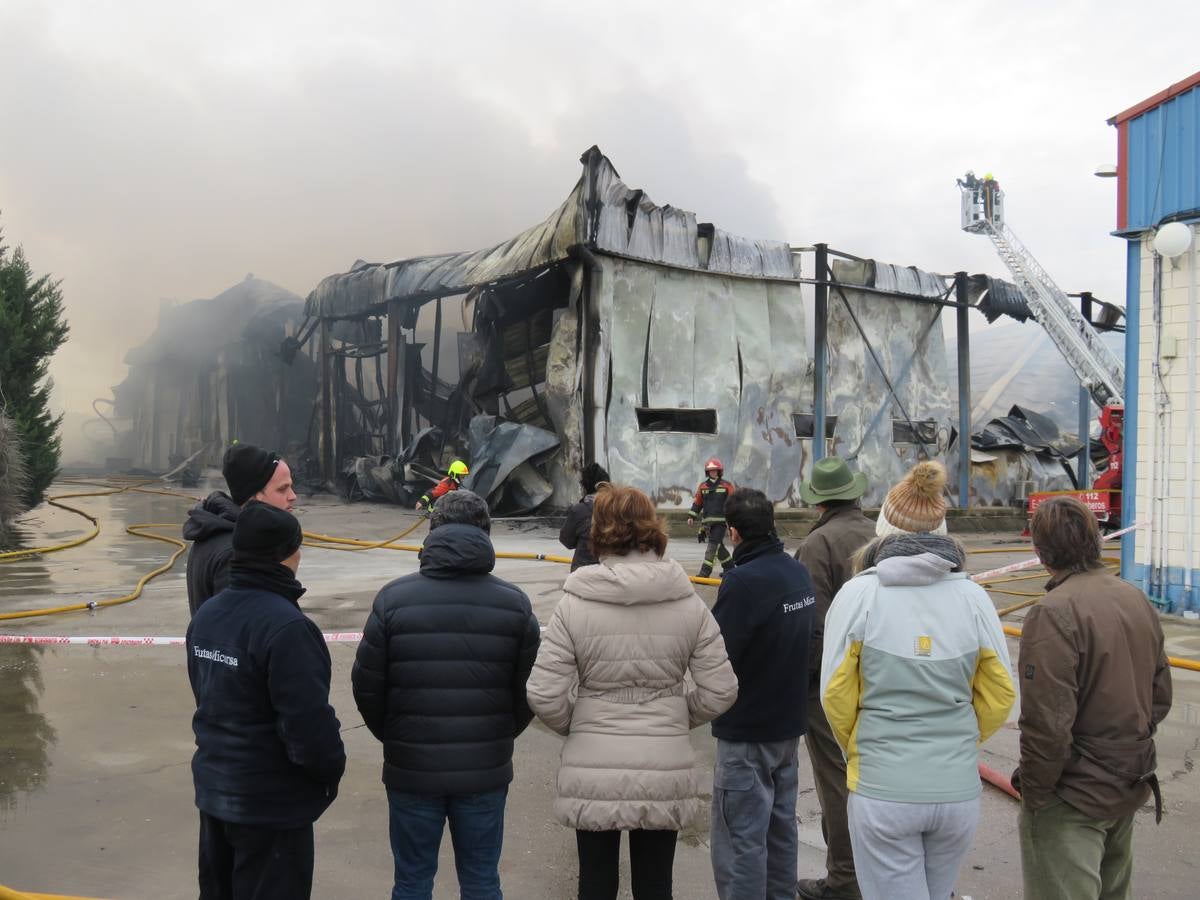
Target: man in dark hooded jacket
[
  {"x": 252, "y": 474},
  {"x": 765, "y": 609},
  {"x": 269, "y": 754},
  {"x": 440, "y": 679},
  {"x": 576, "y": 532}
]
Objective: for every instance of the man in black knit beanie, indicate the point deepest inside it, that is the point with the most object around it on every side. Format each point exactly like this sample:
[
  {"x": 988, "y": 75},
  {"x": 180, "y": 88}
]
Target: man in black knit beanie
[{"x": 252, "y": 473}]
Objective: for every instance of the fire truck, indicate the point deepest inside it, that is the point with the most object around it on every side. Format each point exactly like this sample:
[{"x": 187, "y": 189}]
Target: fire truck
[{"x": 1098, "y": 368}]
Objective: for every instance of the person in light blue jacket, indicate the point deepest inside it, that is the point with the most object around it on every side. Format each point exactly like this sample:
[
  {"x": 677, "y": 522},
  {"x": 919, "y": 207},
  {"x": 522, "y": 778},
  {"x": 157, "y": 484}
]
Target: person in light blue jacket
[{"x": 915, "y": 675}]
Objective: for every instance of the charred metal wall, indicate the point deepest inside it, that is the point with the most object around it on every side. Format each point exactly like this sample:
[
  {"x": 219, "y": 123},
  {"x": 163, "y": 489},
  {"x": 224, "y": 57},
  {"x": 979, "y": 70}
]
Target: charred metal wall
[
  {"x": 671, "y": 339},
  {"x": 876, "y": 340},
  {"x": 648, "y": 340}
]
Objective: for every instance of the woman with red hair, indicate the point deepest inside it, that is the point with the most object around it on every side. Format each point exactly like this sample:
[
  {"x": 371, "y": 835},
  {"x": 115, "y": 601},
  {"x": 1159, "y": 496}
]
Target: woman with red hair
[{"x": 612, "y": 675}]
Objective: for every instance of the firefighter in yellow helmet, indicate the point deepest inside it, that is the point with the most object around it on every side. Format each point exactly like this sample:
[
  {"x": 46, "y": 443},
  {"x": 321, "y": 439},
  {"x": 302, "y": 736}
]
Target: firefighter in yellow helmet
[{"x": 452, "y": 482}]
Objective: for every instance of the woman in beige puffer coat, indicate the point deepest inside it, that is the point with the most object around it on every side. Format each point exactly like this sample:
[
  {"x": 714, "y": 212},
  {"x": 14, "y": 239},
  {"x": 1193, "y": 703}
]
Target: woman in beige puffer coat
[{"x": 631, "y": 661}]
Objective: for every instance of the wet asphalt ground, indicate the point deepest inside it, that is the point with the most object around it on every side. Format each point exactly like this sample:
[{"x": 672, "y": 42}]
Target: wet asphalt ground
[{"x": 95, "y": 743}]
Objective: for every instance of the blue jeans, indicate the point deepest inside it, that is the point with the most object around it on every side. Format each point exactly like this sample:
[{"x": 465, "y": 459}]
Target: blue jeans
[{"x": 416, "y": 822}]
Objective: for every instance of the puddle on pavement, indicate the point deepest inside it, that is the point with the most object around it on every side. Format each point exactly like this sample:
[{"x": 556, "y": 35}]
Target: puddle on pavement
[
  {"x": 109, "y": 565},
  {"x": 26, "y": 735}
]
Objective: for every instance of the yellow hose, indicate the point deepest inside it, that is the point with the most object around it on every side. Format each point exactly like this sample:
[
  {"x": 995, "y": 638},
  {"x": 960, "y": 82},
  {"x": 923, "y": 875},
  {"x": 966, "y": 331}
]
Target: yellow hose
[
  {"x": 321, "y": 541},
  {"x": 315, "y": 539},
  {"x": 137, "y": 531},
  {"x": 108, "y": 491},
  {"x": 14, "y": 555},
  {"x": 1177, "y": 662},
  {"x": 7, "y": 893}
]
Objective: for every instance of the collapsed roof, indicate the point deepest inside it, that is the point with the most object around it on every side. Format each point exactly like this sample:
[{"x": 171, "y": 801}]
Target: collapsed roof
[
  {"x": 601, "y": 213},
  {"x": 995, "y": 298}
]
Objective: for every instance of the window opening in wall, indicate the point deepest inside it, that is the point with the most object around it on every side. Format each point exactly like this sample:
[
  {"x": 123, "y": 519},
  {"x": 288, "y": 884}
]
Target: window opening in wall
[
  {"x": 670, "y": 419},
  {"x": 804, "y": 424},
  {"x": 923, "y": 431}
]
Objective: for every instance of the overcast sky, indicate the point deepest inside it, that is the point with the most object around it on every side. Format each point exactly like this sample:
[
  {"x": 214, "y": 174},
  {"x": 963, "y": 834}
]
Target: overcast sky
[{"x": 153, "y": 150}]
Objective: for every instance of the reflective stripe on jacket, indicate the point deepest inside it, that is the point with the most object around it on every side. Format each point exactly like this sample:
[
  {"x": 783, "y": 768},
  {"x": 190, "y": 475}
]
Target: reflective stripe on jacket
[{"x": 710, "y": 501}]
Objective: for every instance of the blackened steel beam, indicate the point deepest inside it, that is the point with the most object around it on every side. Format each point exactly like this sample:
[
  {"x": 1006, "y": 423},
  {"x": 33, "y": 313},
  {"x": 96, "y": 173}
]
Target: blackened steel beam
[
  {"x": 437, "y": 341},
  {"x": 964, "y": 391},
  {"x": 820, "y": 351},
  {"x": 394, "y": 343},
  {"x": 325, "y": 436}
]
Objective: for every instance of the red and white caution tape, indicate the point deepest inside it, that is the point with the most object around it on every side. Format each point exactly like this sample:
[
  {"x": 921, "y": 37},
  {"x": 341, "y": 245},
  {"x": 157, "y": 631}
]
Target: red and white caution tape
[
  {"x": 1034, "y": 562},
  {"x": 331, "y": 637}
]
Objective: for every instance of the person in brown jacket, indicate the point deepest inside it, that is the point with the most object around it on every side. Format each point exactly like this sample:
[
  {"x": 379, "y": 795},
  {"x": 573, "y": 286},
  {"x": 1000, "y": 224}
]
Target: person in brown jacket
[
  {"x": 1095, "y": 683},
  {"x": 841, "y": 532},
  {"x": 631, "y": 661}
]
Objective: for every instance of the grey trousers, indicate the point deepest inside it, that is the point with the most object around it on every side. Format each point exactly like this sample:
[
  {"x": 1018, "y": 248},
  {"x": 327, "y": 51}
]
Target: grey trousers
[
  {"x": 754, "y": 839},
  {"x": 909, "y": 850}
]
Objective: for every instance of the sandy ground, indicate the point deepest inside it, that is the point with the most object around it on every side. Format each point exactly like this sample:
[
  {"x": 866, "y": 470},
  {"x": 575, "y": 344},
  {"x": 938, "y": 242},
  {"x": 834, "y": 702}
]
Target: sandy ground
[{"x": 95, "y": 743}]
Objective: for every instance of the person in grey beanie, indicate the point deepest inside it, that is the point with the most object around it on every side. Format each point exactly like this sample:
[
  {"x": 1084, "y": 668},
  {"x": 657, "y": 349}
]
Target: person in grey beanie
[{"x": 439, "y": 678}]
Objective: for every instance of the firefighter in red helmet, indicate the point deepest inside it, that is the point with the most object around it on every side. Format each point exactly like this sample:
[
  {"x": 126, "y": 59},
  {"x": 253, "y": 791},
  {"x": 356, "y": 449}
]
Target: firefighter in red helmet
[{"x": 709, "y": 505}]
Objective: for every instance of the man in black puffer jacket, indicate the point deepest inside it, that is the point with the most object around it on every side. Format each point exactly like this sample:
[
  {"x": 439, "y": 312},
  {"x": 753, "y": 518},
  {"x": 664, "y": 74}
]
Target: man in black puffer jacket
[
  {"x": 440, "y": 680},
  {"x": 269, "y": 755},
  {"x": 252, "y": 474}
]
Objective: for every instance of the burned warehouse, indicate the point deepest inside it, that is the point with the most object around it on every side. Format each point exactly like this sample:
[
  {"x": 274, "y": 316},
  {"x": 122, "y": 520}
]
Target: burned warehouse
[
  {"x": 618, "y": 331},
  {"x": 212, "y": 373},
  {"x": 631, "y": 334}
]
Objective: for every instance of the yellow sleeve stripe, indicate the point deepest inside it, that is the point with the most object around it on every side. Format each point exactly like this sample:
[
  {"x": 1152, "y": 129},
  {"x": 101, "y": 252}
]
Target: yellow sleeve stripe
[
  {"x": 843, "y": 693},
  {"x": 992, "y": 693}
]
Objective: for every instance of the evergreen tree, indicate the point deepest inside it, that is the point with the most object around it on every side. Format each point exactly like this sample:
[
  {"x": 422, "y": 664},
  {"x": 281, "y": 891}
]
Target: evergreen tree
[{"x": 32, "y": 328}]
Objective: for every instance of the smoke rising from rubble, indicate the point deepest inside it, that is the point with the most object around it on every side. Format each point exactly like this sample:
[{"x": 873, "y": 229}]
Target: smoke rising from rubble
[
  {"x": 149, "y": 152},
  {"x": 132, "y": 188}
]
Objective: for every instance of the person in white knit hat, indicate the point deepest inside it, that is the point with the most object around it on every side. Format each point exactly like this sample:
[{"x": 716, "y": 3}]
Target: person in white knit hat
[{"x": 916, "y": 504}]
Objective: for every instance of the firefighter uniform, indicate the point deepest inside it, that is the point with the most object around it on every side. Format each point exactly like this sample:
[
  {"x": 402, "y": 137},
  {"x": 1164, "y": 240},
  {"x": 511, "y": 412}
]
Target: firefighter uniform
[
  {"x": 709, "y": 505},
  {"x": 452, "y": 482}
]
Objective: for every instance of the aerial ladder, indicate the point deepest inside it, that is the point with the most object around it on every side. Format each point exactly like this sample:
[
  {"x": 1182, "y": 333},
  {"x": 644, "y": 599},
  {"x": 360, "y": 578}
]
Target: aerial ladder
[{"x": 1098, "y": 368}]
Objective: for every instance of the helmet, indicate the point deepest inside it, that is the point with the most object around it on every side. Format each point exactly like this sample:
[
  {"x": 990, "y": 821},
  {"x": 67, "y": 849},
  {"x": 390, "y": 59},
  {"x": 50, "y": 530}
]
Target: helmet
[
  {"x": 714, "y": 463},
  {"x": 458, "y": 468}
]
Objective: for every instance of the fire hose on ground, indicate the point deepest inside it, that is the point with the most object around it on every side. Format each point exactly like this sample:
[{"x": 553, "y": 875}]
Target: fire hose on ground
[
  {"x": 7, "y": 893},
  {"x": 334, "y": 542}
]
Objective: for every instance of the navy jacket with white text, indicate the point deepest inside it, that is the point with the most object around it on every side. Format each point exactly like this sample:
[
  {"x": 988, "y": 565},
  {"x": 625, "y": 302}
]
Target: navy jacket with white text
[
  {"x": 765, "y": 608},
  {"x": 268, "y": 747}
]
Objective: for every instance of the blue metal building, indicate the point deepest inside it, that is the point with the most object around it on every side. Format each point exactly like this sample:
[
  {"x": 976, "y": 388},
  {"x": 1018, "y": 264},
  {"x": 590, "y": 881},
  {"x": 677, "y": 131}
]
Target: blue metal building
[{"x": 1158, "y": 170}]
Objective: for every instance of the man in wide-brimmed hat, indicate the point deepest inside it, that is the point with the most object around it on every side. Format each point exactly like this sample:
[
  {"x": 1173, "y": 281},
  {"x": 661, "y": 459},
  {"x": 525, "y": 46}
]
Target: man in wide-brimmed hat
[{"x": 841, "y": 532}]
